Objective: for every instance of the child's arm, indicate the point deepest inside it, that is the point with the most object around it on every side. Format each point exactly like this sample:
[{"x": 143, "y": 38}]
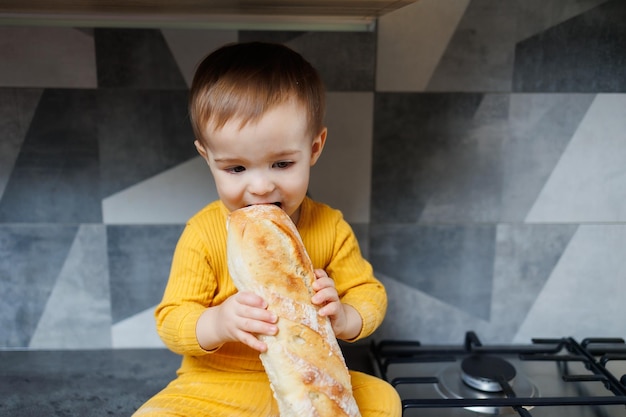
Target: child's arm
[
  {"x": 344, "y": 318},
  {"x": 239, "y": 318},
  {"x": 362, "y": 296}
]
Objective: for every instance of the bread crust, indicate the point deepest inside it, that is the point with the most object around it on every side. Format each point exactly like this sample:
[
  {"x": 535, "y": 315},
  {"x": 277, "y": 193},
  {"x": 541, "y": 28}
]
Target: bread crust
[{"x": 303, "y": 361}]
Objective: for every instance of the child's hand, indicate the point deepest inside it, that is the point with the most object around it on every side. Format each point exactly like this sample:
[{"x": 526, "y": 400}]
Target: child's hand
[
  {"x": 244, "y": 315},
  {"x": 339, "y": 314}
]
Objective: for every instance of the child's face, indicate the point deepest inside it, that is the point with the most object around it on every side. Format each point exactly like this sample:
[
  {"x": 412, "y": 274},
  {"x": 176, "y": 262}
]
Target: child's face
[{"x": 267, "y": 161}]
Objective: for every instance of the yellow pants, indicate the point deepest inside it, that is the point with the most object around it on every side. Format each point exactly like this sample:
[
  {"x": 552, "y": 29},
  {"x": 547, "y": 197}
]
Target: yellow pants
[{"x": 248, "y": 394}]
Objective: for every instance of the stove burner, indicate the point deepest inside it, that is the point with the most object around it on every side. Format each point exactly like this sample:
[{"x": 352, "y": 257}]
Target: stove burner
[
  {"x": 452, "y": 386},
  {"x": 486, "y": 373},
  {"x": 582, "y": 378}
]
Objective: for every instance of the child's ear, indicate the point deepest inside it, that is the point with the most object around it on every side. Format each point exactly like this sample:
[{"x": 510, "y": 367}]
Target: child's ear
[
  {"x": 318, "y": 145},
  {"x": 201, "y": 149}
]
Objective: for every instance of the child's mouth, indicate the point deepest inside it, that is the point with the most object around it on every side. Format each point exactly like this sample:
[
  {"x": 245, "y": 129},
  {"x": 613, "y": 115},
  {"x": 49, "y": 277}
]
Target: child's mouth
[{"x": 276, "y": 203}]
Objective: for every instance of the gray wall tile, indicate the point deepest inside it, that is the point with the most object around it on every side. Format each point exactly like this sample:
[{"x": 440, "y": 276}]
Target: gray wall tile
[
  {"x": 56, "y": 175},
  {"x": 139, "y": 263},
  {"x": 583, "y": 54},
  {"x": 140, "y": 134},
  {"x": 453, "y": 263},
  {"x": 136, "y": 59},
  {"x": 31, "y": 257}
]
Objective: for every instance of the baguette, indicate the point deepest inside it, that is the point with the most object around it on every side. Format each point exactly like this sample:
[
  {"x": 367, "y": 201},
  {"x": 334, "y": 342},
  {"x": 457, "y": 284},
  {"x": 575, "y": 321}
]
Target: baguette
[{"x": 307, "y": 371}]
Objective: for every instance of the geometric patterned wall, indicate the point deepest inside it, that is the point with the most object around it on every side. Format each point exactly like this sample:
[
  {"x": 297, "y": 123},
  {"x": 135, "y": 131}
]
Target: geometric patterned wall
[
  {"x": 478, "y": 149},
  {"x": 99, "y": 171},
  {"x": 499, "y": 181}
]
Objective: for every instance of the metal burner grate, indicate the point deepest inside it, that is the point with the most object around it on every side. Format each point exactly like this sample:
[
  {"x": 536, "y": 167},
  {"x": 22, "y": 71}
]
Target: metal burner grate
[{"x": 594, "y": 354}]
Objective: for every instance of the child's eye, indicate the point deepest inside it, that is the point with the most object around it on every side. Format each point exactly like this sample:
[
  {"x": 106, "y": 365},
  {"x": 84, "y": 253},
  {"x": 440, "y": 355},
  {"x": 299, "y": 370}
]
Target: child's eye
[
  {"x": 283, "y": 164},
  {"x": 235, "y": 170}
]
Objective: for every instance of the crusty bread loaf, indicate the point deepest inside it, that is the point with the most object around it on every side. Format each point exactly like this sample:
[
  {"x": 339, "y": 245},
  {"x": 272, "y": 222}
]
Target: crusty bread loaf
[{"x": 303, "y": 361}]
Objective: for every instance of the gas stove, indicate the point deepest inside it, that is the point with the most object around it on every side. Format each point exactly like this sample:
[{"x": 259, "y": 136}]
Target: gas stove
[{"x": 547, "y": 377}]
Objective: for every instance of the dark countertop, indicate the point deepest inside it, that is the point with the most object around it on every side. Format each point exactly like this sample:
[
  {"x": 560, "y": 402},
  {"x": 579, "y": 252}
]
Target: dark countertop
[{"x": 96, "y": 383}]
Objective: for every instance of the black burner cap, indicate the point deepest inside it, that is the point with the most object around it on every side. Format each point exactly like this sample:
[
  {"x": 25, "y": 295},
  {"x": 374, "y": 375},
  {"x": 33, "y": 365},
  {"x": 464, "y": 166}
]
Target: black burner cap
[{"x": 485, "y": 372}]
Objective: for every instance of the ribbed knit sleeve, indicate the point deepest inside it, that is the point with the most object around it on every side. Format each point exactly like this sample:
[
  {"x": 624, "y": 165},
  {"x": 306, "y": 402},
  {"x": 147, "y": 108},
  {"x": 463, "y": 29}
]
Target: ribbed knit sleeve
[
  {"x": 198, "y": 270},
  {"x": 332, "y": 246}
]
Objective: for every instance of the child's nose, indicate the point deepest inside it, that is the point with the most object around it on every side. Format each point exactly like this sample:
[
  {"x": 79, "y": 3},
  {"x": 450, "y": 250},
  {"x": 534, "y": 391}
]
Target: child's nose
[{"x": 261, "y": 185}]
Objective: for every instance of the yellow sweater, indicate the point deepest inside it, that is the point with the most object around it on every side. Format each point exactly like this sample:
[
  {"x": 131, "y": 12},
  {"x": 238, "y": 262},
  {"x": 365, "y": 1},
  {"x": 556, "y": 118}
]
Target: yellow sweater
[{"x": 199, "y": 279}]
